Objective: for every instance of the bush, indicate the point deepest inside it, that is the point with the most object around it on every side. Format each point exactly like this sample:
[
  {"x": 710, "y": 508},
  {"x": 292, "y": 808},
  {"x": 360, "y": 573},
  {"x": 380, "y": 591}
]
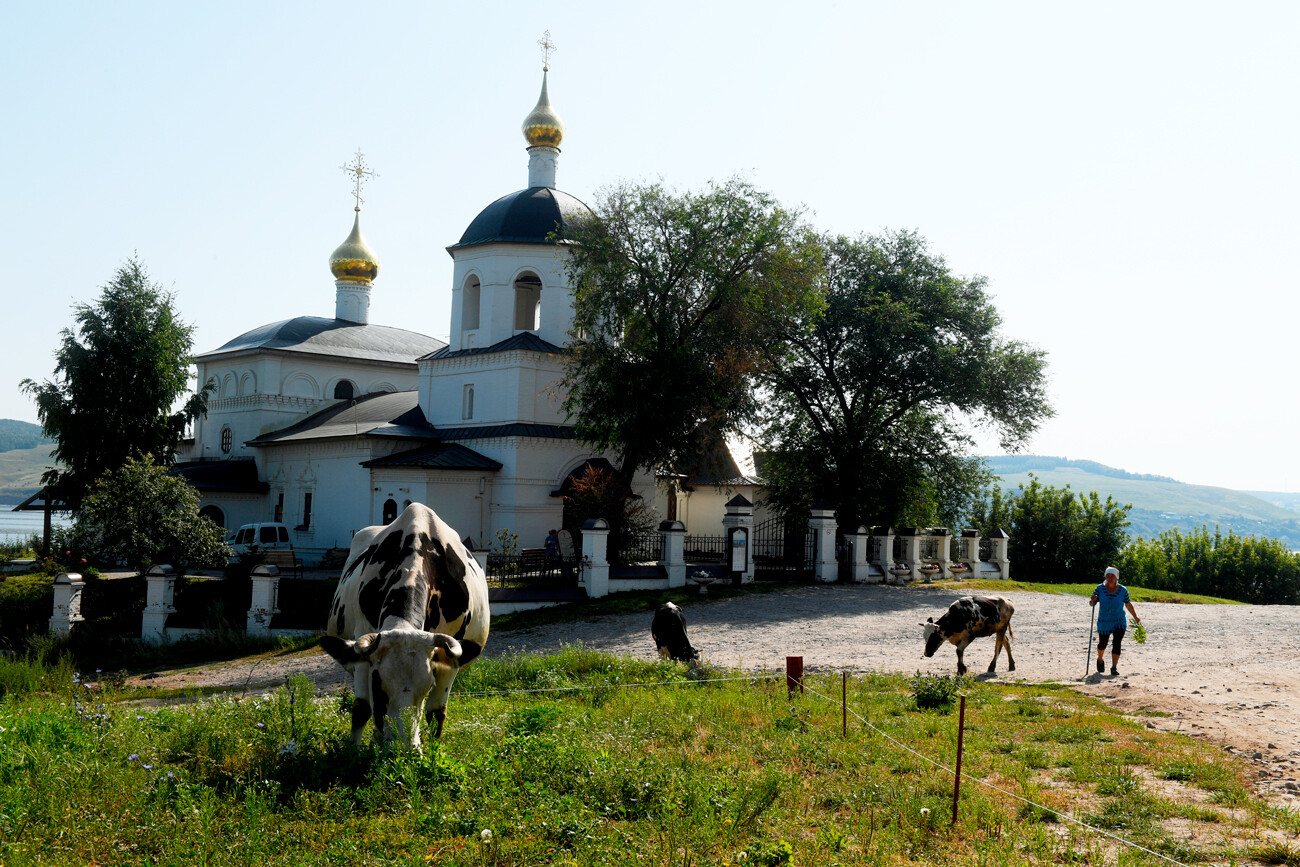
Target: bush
[
  {"x": 935, "y": 691},
  {"x": 1247, "y": 569}
]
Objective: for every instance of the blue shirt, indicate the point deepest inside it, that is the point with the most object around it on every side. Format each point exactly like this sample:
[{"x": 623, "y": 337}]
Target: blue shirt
[{"x": 1110, "y": 607}]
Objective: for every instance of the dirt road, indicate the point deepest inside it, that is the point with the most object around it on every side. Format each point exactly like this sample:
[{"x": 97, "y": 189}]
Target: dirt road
[{"x": 1226, "y": 673}]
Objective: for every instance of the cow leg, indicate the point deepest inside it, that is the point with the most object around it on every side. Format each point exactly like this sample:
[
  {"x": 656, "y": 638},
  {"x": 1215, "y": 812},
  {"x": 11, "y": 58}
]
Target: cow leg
[
  {"x": 961, "y": 653},
  {"x": 436, "y": 704},
  {"x": 1011, "y": 663},
  {"x": 360, "y": 701},
  {"x": 997, "y": 651}
]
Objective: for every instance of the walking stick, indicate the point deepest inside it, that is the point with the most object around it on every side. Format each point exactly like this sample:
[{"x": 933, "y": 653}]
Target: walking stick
[{"x": 1091, "y": 619}]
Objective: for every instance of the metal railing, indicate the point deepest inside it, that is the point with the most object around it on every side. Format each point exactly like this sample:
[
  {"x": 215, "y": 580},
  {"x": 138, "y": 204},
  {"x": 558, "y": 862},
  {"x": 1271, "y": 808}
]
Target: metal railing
[
  {"x": 705, "y": 549},
  {"x": 633, "y": 547},
  {"x": 531, "y": 569},
  {"x": 986, "y": 549}
]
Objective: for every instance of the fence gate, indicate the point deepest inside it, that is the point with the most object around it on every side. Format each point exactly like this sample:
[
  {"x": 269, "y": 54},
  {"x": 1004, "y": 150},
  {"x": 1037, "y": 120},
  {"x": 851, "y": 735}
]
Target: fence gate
[{"x": 783, "y": 551}]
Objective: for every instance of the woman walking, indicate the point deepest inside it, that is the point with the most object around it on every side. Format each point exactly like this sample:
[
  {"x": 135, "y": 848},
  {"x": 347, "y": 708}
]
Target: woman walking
[{"x": 1112, "y": 597}]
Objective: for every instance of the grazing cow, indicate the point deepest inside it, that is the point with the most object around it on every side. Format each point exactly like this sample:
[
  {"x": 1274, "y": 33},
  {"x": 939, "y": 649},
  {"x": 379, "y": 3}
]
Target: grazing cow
[
  {"x": 969, "y": 618},
  {"x": 410, "y": 611},
  {"x": 669, "y": 631}
]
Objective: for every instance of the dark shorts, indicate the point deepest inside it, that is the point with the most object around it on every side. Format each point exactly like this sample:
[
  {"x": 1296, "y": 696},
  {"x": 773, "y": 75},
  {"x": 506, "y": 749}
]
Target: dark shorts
[{"x": 1103, "y": 637}]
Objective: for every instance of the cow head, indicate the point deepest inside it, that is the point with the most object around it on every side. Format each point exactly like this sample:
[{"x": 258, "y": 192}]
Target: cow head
[
  {"x": 933, "y": 635},
  {"x": 403, "y": 666}
]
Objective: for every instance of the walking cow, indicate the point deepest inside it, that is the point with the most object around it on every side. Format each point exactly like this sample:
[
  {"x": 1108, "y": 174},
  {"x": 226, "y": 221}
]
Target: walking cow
[
  {"x": 967, "y": 619},
  {"x": 410, "y": 611}
]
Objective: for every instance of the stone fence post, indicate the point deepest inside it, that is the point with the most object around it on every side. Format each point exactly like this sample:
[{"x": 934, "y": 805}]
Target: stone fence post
[
  {"x": 595, "y": 565},
  {"x": 999, "y": 538},
  {"x": 673, "y": 534},
  {"x": 67, "y": 602},
  {"x": 911, "y": 554},
  {"x": 826, "y": 569},
  {"x": 739, "y": 516},
  {"x": 970, "y": 547},
  {"x": 884, "y": 556},
  {"x": 860, "y": 555},
  {"x": 160, "y": 603},
  {"x": 943, "y": 553},
  {"x": 266, "y": 599}
]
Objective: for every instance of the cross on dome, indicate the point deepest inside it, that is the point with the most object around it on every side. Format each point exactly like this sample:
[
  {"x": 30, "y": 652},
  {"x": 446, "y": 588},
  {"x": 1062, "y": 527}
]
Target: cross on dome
[
  {"x": 360, "y": 174},
  {"x": 548, "y": 48}
]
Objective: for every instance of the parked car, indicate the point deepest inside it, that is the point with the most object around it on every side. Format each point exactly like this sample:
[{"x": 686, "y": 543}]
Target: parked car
[{"x": 262, "y": 536}]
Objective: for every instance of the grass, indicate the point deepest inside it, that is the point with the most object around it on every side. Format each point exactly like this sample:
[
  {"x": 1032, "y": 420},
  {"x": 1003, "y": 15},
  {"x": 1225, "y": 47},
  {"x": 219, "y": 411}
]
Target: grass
[
  {"x": 607, "y": 761},
  {"x": 1138, "y": 594}
]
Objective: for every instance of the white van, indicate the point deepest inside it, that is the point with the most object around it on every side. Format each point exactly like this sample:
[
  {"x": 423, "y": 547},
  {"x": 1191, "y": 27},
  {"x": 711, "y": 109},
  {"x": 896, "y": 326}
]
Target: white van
[{"x": 264, "y": 536}]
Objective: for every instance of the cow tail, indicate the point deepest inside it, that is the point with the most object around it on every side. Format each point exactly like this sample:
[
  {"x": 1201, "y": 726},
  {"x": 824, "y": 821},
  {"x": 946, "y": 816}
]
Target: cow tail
[{"x": 1010, "y": 635}]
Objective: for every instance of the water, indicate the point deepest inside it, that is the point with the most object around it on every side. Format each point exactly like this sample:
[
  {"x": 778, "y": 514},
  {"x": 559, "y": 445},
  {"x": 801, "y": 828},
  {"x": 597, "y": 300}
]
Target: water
[{"x": 17, "y": 526}]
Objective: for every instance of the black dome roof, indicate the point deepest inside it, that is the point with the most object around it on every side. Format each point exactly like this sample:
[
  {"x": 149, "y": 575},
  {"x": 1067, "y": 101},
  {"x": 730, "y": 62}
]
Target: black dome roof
[{"x": 526, "y": 217}]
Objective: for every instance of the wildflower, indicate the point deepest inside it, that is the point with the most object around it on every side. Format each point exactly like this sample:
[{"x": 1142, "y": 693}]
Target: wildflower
[
  {"x": 261, "y": 725},
  {"x": 139, "y": 716},
  {"x": 485, "y": 835},
  {"x": 925, "y": 812},
  {"x": 147, "y": 767},
  {"x": 170, "y": 775},
  {"x": 133, "y": 757}
]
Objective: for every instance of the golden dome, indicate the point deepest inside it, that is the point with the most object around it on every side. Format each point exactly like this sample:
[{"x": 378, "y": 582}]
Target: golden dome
[
  {"x": 543, "y": 126},
  {"x": 354, "y": 260}
]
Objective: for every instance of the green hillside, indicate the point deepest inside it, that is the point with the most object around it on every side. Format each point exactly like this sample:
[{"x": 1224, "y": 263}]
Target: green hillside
[
  {"x": 1160, "y": 503},
  {"x": 24, "y": 455},
  {"x": 16, "y": 434}
]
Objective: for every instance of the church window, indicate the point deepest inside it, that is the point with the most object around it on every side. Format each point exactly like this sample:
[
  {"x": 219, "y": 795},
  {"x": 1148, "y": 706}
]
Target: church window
[
  {"x": 344, "y": 390},
  {"x": 306, "y": 512},
  {"x": 467, "y": 402},
  {"x": 528, "y": 302},
  {"x": 214, "y": 514},
  {"x": 227, "y": 440},
  {"x": 390, "y": 511},
  {"x": 279, "y": 508},
  {"x": 469, "y": 305}
]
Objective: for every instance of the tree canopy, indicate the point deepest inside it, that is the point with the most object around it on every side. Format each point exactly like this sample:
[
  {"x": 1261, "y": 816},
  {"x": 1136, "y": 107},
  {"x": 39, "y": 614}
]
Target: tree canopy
[
  {"x": 875, "y": 393},
  {"x": 121, "y": 368},
  {"x": 140, "y": 515},
  {"x": 669, "y": 291}
]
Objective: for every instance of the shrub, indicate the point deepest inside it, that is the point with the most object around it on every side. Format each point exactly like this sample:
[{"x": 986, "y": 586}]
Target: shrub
[{"x": 935, "y": 691}]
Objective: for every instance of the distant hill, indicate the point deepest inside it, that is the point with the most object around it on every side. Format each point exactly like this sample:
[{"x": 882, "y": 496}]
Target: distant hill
[
  {"x": 1161, "y": 503},
  {"x": 24, "y": 455},
  {"x": 16, "y": 434}
]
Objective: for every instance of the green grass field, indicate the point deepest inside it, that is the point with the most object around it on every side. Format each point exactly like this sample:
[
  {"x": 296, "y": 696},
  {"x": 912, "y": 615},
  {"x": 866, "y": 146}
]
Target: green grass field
[{"x": 585, "y": 759}]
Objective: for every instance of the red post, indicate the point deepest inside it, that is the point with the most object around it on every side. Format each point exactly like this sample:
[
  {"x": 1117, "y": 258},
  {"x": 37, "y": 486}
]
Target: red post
[
  {"x": 794, "y": 674},
  {"x": 956, "y": 783},
  {"x": 844, "y": 700}
]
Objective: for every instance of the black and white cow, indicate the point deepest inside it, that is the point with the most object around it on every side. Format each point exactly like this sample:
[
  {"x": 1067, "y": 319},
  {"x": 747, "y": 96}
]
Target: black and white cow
[
  {"x": 668, "y": 628},
  {"x": 967, "y": 619},
  {"x": 410, "y": 611}
]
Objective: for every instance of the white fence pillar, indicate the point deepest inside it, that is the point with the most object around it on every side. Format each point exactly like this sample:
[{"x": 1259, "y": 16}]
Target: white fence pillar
[
  {"x": 911, "y": 555},
  {"x": 942, "y": 537},
  {"x": 826, "y": 568},
  {"x": 673, "y": 534},
  {"x": 266, "y": 599},
  {"x": 882, "y": 561},
  {"x": 160, "y": 603},
  {"x": 999, "y": 557},
  {"x": 859, "y": 555},
  {"x": 67, "y": 602},
  {"x": 739, "y": 517},
  {"x": 595, "y": 565}
]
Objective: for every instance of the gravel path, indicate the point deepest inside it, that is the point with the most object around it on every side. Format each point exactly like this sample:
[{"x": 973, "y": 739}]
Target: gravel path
[{"x": 1226, "y": 673}]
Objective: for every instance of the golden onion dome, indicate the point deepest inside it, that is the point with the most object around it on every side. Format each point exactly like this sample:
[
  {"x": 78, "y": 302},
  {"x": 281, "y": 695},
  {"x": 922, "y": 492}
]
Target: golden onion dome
[
  {"x": 354, "y": 260},
  {"x": 543, "y": 126}
]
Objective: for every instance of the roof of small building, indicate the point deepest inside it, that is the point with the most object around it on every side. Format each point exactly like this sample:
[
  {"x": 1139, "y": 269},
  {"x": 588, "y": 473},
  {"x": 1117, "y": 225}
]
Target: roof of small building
[
  {"x": 335, "y": 337},
  {"x": 233, "y": 476},
  {"x": 525, "y": 341},
  {"x": 443, "y": 456},
  {"x": 395, "y": 414},
  {"x": 537, "y": 215}
]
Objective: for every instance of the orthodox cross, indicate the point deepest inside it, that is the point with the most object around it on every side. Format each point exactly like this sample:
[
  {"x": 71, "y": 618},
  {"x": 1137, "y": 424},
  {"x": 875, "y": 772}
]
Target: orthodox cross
[
  {"x": 360, "y": 174},
  {"x": 548, "y": 48}
]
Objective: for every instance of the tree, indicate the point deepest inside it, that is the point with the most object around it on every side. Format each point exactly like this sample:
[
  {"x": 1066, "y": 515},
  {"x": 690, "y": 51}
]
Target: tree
[
  {"x": 121, "y": 368},
  {"x": 876, "y": 392},
  {"x": 140, "y": 515},
  {"x": 1056, "y": 534},
  {"x": 668, "y": 289}
]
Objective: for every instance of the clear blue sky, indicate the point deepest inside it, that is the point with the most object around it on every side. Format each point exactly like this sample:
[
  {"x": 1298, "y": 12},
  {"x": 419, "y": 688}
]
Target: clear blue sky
[{"x": 1127, "y": 175}]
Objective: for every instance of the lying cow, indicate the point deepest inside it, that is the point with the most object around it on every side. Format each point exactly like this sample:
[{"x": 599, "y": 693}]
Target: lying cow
[
  {"x": 969, "y": 618},
  {"x": 669, "y": 632},
  {"x": 410, "y": 611}
]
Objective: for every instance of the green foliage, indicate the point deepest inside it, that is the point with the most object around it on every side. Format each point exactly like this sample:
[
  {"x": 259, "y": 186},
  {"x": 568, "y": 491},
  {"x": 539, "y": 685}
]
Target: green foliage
[
  {"x": 1056, "y": 535},
  {"x": 20, "y": 435},
  {"x": 1260, "y": 571},
  {"x": 876, "y": 391},
  {"x": 935, "y": 691},
  {"x": 670, "y": 291},
  {"x": 120, "y": 369},
  {"x": 140, "y": 515}
]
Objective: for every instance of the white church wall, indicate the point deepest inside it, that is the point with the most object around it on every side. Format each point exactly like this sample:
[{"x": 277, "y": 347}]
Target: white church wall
[
  {"x": 497, "y": 266},
  {"x": 452, "y": 494},
  {"x": 508, "y": 387}
]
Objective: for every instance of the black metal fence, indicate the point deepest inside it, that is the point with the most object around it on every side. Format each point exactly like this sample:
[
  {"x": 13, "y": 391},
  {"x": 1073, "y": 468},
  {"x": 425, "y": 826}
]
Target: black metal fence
[
  {"x": 705, "y": 549},
  {"x": 783, "y": 551},
  {"x": 630, "y": 547},
  {"x": 986, "y": 549},
  {"x": 531, "y": 569}
]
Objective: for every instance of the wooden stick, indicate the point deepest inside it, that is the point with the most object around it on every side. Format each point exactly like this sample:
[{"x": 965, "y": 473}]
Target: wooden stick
[{"x": 956, "y": 783}]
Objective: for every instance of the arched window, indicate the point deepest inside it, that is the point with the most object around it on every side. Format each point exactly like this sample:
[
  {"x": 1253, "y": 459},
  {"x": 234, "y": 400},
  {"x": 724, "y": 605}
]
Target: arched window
[
  {"x": 528, "y": 302},
  {"x": 227, "y": 440},
  {"x": 390, "y": 511},
  {"x": 344, "y": 390},
  {"x": 467, "y": 402},
  {"x": 469, "y": 305},
  {"x": 214, "y": 514}
]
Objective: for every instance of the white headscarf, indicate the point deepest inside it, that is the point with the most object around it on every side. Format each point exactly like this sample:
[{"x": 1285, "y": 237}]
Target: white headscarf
[{"x": 1111, "y": 570}]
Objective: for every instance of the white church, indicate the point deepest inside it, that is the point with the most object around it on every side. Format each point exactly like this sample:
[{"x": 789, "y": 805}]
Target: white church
[{"x": 330, "y": 425}]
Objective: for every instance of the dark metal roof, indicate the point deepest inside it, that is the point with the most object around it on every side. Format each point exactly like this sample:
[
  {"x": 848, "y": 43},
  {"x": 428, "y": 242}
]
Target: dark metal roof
[
  {"x": 537, "y": 215},
  {"x": 233, "y": 476},
  {"x": 525, "y": 341},
  {"x": 444, "y": 456},
  {"x": 392, "y": 415},
  {"x": 335, "y": 337},
  {"x": 516, "y": 429}
]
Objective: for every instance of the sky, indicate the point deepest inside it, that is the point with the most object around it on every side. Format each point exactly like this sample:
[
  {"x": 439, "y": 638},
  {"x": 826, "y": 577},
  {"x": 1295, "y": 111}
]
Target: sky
[{"x": 1126, "y": 175}]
